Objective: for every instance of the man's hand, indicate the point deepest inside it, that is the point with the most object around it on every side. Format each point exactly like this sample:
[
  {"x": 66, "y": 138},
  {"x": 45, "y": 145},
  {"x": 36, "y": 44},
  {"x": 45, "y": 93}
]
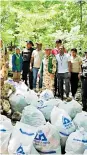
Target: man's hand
[
  {"x": 52, "y": 76},
  {"x": 69, "y": 74},
  {"x": 30, "y": 68},
  {"x": 79, "y": 75},
  {"x": 38, "y": 75}
]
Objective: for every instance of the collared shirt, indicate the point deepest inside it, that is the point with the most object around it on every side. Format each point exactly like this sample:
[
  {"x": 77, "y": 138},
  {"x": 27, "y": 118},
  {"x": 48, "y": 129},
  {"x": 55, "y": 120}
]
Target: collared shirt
[
  {"x": 76, "y": 64},
  {"x": 62, "y": 61}
]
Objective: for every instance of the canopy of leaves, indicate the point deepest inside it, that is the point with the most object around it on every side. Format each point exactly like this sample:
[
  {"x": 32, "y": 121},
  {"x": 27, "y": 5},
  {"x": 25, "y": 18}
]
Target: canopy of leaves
[{"x": 44, "y": 21}]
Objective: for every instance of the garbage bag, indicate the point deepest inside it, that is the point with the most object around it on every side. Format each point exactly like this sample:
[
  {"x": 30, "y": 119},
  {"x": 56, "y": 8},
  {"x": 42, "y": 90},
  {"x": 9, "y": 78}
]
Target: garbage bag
[
  {"x": 46, "y": 94},
  {"x": 72, "y": 107},
  {"x": 76, "y": 142},
  {"x": 47, "y": 140},
  {"x": 63, "y": 123},
  {"x": 85, "y": 152},
  {"x": 22, "y": 139},
  {"x": 47, "y": 106},
  {"x": 81, "y": 120},
  {"x": 31, "y": 97},
  {"x": 21, "y": 85},
  {"x": 32, "y": 116},
  {"x": 18, "y": 102},
  {"x": 5, "y": 133}
]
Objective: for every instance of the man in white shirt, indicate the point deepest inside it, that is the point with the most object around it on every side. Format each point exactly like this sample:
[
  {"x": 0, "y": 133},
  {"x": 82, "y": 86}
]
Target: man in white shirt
[
  {"x": 36, "y": 59},
  {"x": 64, "y": 71}
]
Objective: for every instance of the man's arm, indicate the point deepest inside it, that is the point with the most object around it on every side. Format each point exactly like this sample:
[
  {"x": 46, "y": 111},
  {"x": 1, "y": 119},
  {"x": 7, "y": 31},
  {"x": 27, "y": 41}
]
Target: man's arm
[
  {"x": 69, "y": 66},
  {"x": 31, "y": 62}
]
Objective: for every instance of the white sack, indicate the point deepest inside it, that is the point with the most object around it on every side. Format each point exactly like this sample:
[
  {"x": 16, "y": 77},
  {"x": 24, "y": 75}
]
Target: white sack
[
  {"x": 72, "y": 107},
  {"x": 47, "y": 94},
  {"x": 76, "y": 142},
  {"x": 81, "y": 120},
  {"x": 63, "y": 122},
  {"x": 32, "y": 116},
  {"x": 22, "y": 139},
  {"x": 47, "y": 140},
  {"x": 85, "y": 152},
  {"x": 5, "y": 133},
  {"x": 18, "y": 102},
  {"x": 47, "y": 106}
]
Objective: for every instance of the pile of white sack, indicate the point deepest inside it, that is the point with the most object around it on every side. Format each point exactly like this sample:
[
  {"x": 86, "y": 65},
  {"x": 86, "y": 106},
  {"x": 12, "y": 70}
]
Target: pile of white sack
[{"x": 47, "y": 125}]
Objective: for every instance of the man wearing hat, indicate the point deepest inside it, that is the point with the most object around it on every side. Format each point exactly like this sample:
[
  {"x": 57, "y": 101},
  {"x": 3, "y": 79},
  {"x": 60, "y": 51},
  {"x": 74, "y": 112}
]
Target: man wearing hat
[
  {"x": 27, "y": 52},
  {"x": 17, "y": 64},
  {"x": 48, "y": 69},
  {"x": 83, "y": 76}
]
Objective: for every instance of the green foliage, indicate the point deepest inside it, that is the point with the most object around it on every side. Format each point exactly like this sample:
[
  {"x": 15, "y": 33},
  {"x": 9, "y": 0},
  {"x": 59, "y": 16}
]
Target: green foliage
[{"x": 44, "y": 21}]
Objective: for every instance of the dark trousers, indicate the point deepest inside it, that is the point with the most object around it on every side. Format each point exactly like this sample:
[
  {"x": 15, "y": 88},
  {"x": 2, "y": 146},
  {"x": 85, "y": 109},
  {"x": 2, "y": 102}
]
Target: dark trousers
[
  {"x": 84, "y": 94},
  {"x": 31, "y": 79},
  {"x": 26, "y": 72},
  {"x": 74, "y": 83},
  {"x": 61, "y": 78},
  {"x": 56, "y": 86}
]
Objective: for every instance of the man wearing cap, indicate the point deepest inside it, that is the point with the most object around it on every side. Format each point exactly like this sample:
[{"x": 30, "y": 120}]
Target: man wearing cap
[
  {"x": 17, "y": 65},
  {"x": 27, "y": 52},
  {"x": 83, "y": 76},
  {"x": 36, "y": 59},
  {"x": 48, "y": 69}
]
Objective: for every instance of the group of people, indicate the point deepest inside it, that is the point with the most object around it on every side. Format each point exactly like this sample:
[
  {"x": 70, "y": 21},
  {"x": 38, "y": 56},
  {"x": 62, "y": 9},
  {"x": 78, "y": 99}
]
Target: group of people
[{"x": 55, "y": 69}]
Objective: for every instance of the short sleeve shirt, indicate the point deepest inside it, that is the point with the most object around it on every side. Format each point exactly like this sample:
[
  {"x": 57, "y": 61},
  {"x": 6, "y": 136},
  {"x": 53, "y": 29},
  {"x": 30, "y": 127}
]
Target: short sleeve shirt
[
  {"x": 76, "y": 64},
  {"x": 63, "y": 62},
  {"x": 37, "y": 55}
]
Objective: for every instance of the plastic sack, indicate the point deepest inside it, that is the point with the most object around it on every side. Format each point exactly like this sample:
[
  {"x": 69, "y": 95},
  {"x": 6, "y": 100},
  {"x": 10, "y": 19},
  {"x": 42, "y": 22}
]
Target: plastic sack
[
  {"x": 30, "y": 96},
  {"x": 21, "y": 85},
  {"x": 85, "y": 152},
  {"x": 63, "y": 122},
  {"x": 5, "y": 133},
  {"x": 46, "y": 94},
  {"x": 38, "y": 103},
  {"x": 47, "y": 106},
  {"x": 18, "y": 102},
  {"x": 72, "y": 107},
  {"x": 32, "y": 116},
  {"x": 81, "y": 120},
  {"x": 76, "y": 142},
  {"x": 22, "y": 139},
  {"x": 47, "y": 140}
]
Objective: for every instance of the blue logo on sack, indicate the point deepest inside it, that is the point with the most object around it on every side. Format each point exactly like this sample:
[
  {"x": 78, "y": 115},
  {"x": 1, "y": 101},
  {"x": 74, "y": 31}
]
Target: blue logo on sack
[
  {"x": 66, "y": 121},
  {"x": 20, "y": 150},
  {"x": 46, "y": 95},
  {"x": 41, "y": 138}
]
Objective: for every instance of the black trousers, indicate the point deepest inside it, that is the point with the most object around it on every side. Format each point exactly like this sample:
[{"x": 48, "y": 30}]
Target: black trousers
[
  {"x": 74, "y": 83},
  {"x": 84, "y": 94},
  {"x": 26, "y": 72},
  {"x": 56, "y": 85}
]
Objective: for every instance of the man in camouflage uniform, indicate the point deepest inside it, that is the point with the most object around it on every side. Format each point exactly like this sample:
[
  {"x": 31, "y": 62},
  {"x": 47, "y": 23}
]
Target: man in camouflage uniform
[
  {"x": 48, "y": 69},
  {"x": 3, "y": 62}
]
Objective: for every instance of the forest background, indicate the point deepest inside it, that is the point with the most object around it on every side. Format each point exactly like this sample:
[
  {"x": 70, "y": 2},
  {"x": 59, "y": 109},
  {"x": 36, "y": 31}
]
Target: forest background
[{"x": 44, "y": 21}]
